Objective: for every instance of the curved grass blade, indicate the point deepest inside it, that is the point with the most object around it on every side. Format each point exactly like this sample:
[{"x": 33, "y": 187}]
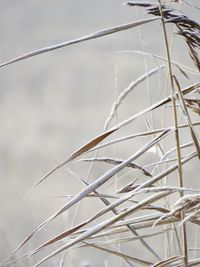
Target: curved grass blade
[
  {"x": 146, "y": 54},
  {"x": 94, "y": 35},
  {"x": 127, "y": 91},
  {"x": 91, "y": 144}
]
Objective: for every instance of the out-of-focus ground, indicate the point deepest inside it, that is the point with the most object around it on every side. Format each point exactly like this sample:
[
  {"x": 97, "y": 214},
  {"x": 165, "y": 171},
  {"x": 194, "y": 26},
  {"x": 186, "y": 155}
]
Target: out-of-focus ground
[{"x": 53, "y": 103}]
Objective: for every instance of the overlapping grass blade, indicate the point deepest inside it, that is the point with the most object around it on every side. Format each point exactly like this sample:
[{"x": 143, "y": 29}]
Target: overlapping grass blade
[
  {"x": 116, "y": 162},
  {"x": 97, "y": 228},
  {"x": 120, "y": 254},
  {"x": 160, "y": 103},
  {"x": 186, "y": 113},
  {"x": 169, "y": 261},
  {"x": 96, "y": 184},
  {"x": 140, "y": 134}
]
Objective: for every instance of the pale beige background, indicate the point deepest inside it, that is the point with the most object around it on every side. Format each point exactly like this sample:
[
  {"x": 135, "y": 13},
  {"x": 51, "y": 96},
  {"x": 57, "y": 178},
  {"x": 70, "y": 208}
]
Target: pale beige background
[{"x": 52, "y": 104}]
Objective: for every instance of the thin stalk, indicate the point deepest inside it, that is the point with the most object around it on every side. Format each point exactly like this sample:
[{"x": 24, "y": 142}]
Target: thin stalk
[{"x": 180, "y": 173}]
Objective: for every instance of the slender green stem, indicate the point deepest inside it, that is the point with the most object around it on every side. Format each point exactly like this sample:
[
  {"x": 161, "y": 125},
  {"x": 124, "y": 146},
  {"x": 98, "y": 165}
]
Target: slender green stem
[{"x": 180, "y": 173}]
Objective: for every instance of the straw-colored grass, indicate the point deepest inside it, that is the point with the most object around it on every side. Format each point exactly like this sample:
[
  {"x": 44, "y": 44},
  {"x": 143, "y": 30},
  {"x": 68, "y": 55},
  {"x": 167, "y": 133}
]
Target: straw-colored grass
[{"x": 149, "y": 200}]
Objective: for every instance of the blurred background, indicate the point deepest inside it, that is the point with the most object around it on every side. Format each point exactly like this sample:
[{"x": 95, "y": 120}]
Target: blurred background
[{"x": 52, "y": 104}]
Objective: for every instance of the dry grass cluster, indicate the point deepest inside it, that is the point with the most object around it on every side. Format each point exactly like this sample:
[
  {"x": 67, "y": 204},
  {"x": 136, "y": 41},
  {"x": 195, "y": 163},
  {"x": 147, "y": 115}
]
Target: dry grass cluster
[{"x": 149, "y": 201}]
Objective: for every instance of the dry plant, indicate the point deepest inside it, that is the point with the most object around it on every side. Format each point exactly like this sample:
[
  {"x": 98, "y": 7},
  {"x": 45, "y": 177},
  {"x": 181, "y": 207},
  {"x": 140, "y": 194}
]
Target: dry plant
[{"x": 146, "y": 201}]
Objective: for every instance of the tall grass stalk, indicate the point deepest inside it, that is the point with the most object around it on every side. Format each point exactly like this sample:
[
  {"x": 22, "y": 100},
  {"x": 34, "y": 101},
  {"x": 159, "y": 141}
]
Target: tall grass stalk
[{"x": 178, "y": 151}]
